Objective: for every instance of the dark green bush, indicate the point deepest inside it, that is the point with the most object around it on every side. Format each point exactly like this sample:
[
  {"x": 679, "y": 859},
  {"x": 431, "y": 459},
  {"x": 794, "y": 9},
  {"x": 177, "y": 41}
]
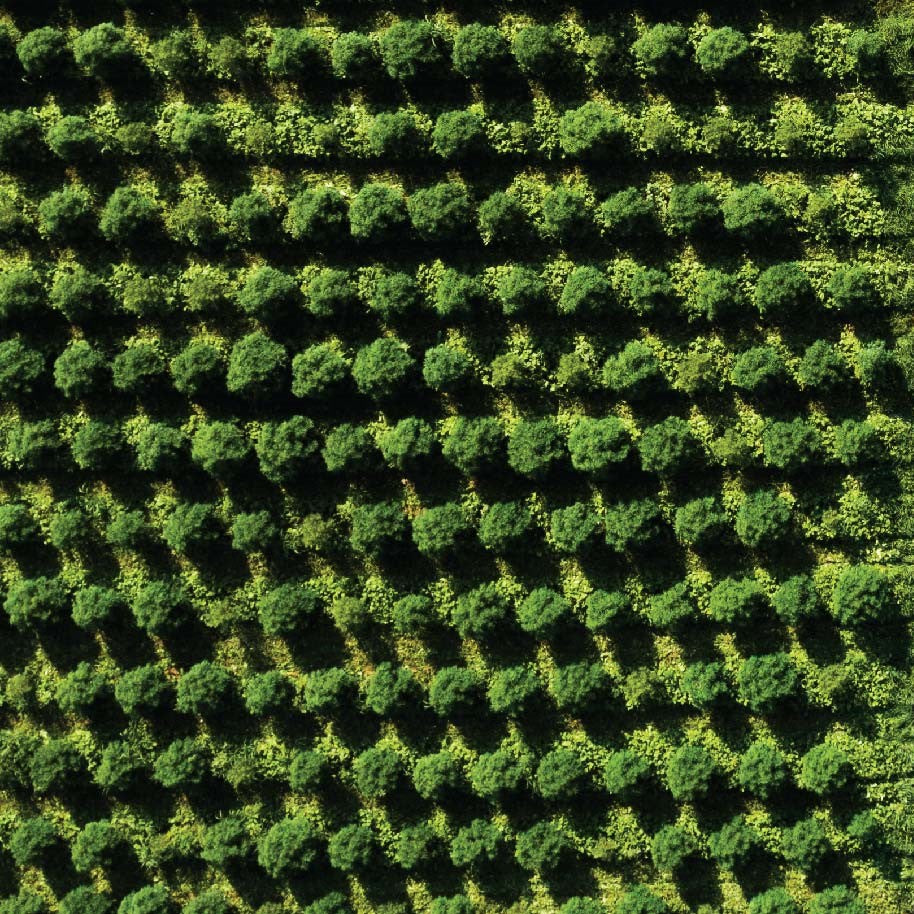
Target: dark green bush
[
  {"x": 395, "y": 295},
  {"x": 543, "y": 611},
  {"x": 824, "y": 769},
  {"x": 502, "y": 218},
  {"x": 539, "y": 51},
  {"x": 752, "y": 212},
  {"x": 220, "y": 448},
  {"x": 586, "y": 293},
  {"x": 97, "y": 845},
  {"x": 733, "y": 843},
  {"x": 474, "y": 444},
  {"x": 606, "y": 610},
  {"x": 295, "y": 54},
  {"x": 494, "y": 775},
  {"x": 417, "y": 846},
  {"x": 635, "y": 372},
  {"x": 632, "y": 524},
  {"x": 377, "y": 529},
  {"x": 767, "y": 680},
  {"x": 837, "y": 899},
  {"x": 663, "y": 50},
  {"x": 762, "y": 519},
  {"x": 856, "y": 443},
  {"x": 198, "y": 369},
  {"x": 480, "y": 51},
  {"x": 349, "y": 449},
  {"x": 57, "y": 766},
  {"x": 693, "y": 209},
  {"x": 805, "y": 845},
  {"x": 183, "y": 763},
  {"x": 436, "y": 775},
  {"x": 852, "y": 290},
  {"x": 705, "y": 683},
  {"x": 822, "y": 369},
  {"x": 478, "y": 613},
  {"x": 354, "y": 57},
  {"x": 690, "y": 771},
  {"x": 377, "y": 213},
  {"x": 142, "y": 690},
  {"x": 591, "y": 131},
  {"x": 35, "y": 602},
  {"x": 723, "y": 53},
  {"x": 505, "y": 526},
  {"x": 577, "y": 686},
  {"x": 671, "y": 848},
  {"x": 129, "y": 216},
  {"x": 383, "y": 368},
  {"x": 268, "y": 294},
  {"x": 862, "y": 596},
  {"x": 45, "y": 53},
  {"x": 82, "y": 690},
  {"x": 192, "y": 526},
  {"x": 566, "y": 214},
  {"x": 21, "y": 368},
  {"x": 318, "y": 215},
  {"x": 672, "y": 607},
  {"x": 513, "y": 690},
  {"x": 160, "y": 607},
  {"x": 559, "y": 774},
  {"x": 796, "y": 600},
  {"x": 791, "y": 446},
  {"x": 395, "y": 135},
  {"x": 288, "y": 847},
  {"x": 700, "y": 523},
  {"x": 476, "y": 844},
  {"x": 84, "y": 899},
  {"x": 352, "y": 848},
  {"x": 327, "y": 691},
  {"x": 139, "y": 369},
  {"x": 408, "y": 443},
  {"x": 204, "y": 690},
  {"x": 389, "y": 688},
  {"x": 318, "y": 372},
  {"x": 73, "y": 140},
  {"x": 197, "y": 135},
  {"x": 575, "y": 528},
  {"x": 441, "y": 212},
  {"x": 736, "y": 601},
  {"x": 284, "y": 449},
  {"x": 535, "y": 447},
  {"x": 104, "y": 51},
  {"x": 773, "y": 901},
  {"x": 454, "y": 691},
  {"x": 412, "y": 49},
  {"x": 439, "y": 531},
  {"x": 541, "y": 848},
  {"x": 459, "y": 135},
  {"x": 253, "y": 218},
  {"x": 254, "y": 531},
  {"x": 34, "y": 842},
  {"x": 257, "y": 366},
  {"x": 520, "y": 290},
  {"x": 783, "y": 292},
  {"x": 641, "y": 900},
  {"x": 159, "y": 448},
  {"x": 66, "y": 215}
]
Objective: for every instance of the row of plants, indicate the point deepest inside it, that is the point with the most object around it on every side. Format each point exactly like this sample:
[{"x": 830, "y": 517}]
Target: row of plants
[
  {"x": 414, "y": 50},
  {"x": 592, "y": 134}
]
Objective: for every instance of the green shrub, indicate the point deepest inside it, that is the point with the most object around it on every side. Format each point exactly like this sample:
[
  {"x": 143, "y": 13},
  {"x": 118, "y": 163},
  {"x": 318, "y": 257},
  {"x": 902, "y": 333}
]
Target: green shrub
[
  {"x": 606, "y": 610},
  {"x": 700, "y": 523},
  {"x": 862, "y": 596},
  {"x": 288, "y": 847},
  {"x": 439, "y": 531},
  {"x": 309, "y": 769},
  {"x": 736, "y": 601},
  {"x": 632, "y": 524},
  {"x": 220, "y": 448},
  {"x": 408, "y": 443},
  {"x": 473, "y": 445},
  {"x": 766, "y": 680},
  {"x": 395, "y": 134},
  {"x": 183, "y": 763},
  {"x": 539, "y": 51},
  {"x": 591, "y": 131},
  {"x": 586, "y": 292},
  {"x": 824, "y": 769},
  {"x": 672, "y": 607},
  {"x": 856, "y": 443},
  {"x": 104, "y": 51},
  {"x": 805, "y": 845},
  {"x": 796, "y": 600},
  {"x": 513, "y": 690},
  {"x": 535, "y": 447},
  {"x": 476, "y": 844},
  {"x": 791, "y": 446},
  {"x": 66, "y": 215},
  {"x": 496, "y": 774},
  {"x": 73, "y": 139},
  {"x": 327, "y": 691},
  {"x": 204, "y": 690},
  {"x": 574, "y": 529},
  {"x": 198, "y": 369},
  {"x": 752, "y": 212},
  {"x": 160, "y": 448},
  {"x": 411, "y": 49},
  {"x": 257, "y": 366},
  {"x": 634, "y": 373},
  {"x": 83, "y": 899},
  {"x": 693, "y": 209},
  {"x": 318, "y": 372},
  {"x": 717, "y": 296},
  {"x": 559, "y": 774},
  {"x": 17, "y": 528},
  {"x": 705, "y": 683},
  {"x": 56, "y": 767},
  {"x": 285, "y": 449},
  {"x": 120, "y": 769},
  {"x": 663, "y": 50},
  {"x": 783, "y": 292},
  {"x": 505, "y": 526},
  {"x": 773, "y": 901},
  {"x": 254, "y": 531},
  {"x": 129, "y": 216},
  {"x": 389, "y": 689},
  {"x": 377, "y": 213},
  {"x": 352, "y": 848},
  {"x": 34, "y": 842},
  {"x": 566, "y": 214},
  {"x": 94, "y": 605},
  {"x": 837, "y": 899},
  {"x": 454, "y": 691},
  {"x": 417, "y": 846},
  {"x": 690, "y": 771},
  {"x": 142, "y": 690},
  {"x": 541, "y": 848},
  {"x": 671, "y": 848},
  {"x": 762, "y": 519},
  {"x": 822, "y": 369},
  {"x": 460, "y": 135},
  {"x": 414, "y": 614},
  {"x": 160, "y": 607},
  {"x": 253, "y": 218},
  {"x": 225, "y": 841},
  {"x": 543, "y": 611},
  {"x": 577, "y": 686},
  {"x": 197, "y": 135},
  {"x": 733, "y": 843},
  {"x": 268, "y": 294},
  {"x": 436, "y": 775},
  {"x": 81, "y": 690},
  {"x": 21, "y": 368},
  {"x": 441, "y": 212},
  {"x": 318, "y": 215},
  {"x": 723, "y": 53},
  {"x": 641, "y": 900},
  {"x": 520, "y": 290},
  {"x": 97, "y": 845},
  {"x": 478, "y": 613},
  {"x": 191, "y": 526},
  {"x": 45, "y": 53},
  {"x": 295, "y": 54},
  {"x": 383, "y": 368},
  {"x": 354, "y": 57},
  {"x": 211, "y": 901},
  {"x": 852, "y": 290},
  {"x": 378, "y": 529},
  {"x": 268, "y": 693},
  {"x": 35, "y": 602},
  {"x": 349, "y": 449},
  {"x": 395, "y": 295},
  {"x": 502, "y": 218},
  {"x": 139, "y": 369},
  {"x": 480, "y": 51}
]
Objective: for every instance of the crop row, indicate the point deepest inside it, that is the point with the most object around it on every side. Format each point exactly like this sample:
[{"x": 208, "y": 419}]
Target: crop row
[
  {"x": 594, "y": 133},
  {"x": 415, "y": 51}
]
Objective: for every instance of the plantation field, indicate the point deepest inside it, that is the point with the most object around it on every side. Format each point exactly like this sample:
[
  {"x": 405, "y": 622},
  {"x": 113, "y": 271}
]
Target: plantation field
[{"x": 456, "y": 459}]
